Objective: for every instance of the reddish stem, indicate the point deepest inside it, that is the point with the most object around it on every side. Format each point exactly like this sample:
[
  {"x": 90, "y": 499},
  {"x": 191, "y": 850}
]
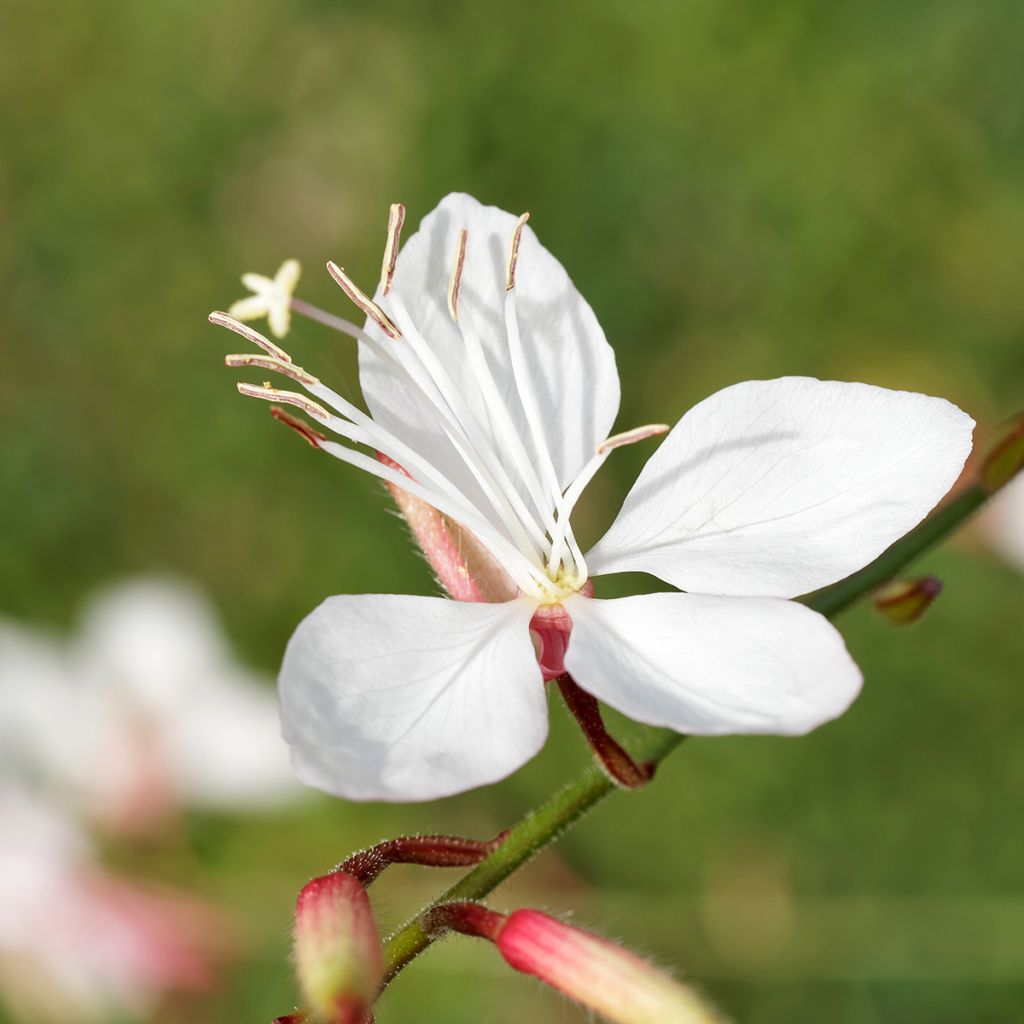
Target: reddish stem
[
  {"x": 429, "y": 851},
  {"x": 613, "y": 758},
  {"x": 467, "y": 918}
]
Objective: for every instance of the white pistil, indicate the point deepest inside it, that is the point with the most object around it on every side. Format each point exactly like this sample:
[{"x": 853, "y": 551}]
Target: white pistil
[{"x": 396, "y": 218}]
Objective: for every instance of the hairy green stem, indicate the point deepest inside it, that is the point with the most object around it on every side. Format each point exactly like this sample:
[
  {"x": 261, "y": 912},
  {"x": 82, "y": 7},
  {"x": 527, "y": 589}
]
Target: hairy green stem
[{"x": 546, "y": 823}]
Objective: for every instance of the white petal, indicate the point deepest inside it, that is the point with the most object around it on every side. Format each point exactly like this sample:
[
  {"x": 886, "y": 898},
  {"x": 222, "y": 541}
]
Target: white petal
[
  {"x": 780, "y": 487},
  {"x": 571, "y": 363},
  {"x": 411, "y": 698},
  {"x": 712, "y": 665},
  {"x": 250, "y": 308}
]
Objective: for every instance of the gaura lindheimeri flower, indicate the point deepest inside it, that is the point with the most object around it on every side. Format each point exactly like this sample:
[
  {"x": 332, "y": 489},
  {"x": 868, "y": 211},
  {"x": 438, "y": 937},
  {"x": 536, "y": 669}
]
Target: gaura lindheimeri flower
[
  {"x": 489, "y": 382},
  {"x": 272, "y": 298}
]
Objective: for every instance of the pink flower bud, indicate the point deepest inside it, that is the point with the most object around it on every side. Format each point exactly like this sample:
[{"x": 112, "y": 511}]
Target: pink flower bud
[
  {"x": 602, "y": 976},
  {"x": 905, "y": 601},
  {"x": 337, "y": 950}
]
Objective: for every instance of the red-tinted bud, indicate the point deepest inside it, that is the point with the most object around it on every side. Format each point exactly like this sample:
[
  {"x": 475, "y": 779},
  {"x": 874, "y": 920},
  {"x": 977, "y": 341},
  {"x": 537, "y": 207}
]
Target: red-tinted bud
[
  {"x": 337, "y": 950},
  {"x": 596, "y": 973},
  {"x": 905, "y": 601}
]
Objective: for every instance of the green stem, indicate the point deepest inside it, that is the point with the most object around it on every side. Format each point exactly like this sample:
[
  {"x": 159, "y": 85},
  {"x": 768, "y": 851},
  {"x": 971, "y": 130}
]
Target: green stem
[{"x": 545, "y": 824}]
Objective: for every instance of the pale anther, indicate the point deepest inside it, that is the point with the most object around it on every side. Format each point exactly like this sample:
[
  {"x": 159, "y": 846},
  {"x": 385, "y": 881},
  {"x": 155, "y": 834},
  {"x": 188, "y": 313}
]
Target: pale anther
[
  {"x": 513, "y": 255},
  {"x": 245, "y": 331},
  {"x": 632, "y": 436},
  {"x": 363, "y": 301},
  {"x": 396, "y": 218},
  {"x": 456, "y": 282},
  {"x": 297, "y": 373},
  {"x": 272, "y": 394}
]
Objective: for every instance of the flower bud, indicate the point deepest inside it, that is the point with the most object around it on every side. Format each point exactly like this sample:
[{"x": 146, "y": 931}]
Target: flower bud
[
  {"x": 337, "y": 950},
  {"x": 596, "y": 973},
  {"x": 905, "y": 601},
  {"x": 1006, "y": 457}
]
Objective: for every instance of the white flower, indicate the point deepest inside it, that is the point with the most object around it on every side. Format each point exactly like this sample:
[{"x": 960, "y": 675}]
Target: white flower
[
  {"x": 77, "y": 943},
  {"x": 1003, "y": 523},
  {"x": 272, "y": 297},
  {"x": 144, "y": 711},
  {"x": 490, "y": 382}
]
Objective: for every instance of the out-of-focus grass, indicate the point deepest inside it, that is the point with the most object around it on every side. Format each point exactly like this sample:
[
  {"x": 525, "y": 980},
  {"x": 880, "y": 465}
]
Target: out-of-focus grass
[{"x": 741, "y": 190}]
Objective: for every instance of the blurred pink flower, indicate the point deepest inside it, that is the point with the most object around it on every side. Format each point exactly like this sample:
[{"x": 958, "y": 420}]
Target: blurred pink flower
[
  {"x": 79, "y": 944},
  {"x": 143, "y": 711}
]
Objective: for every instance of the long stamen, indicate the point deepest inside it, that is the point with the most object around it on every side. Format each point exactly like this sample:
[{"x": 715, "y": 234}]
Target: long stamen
[
  {"x": 575, "y": 489},
  {"x": 366, "y": 432},
  {"x": 245, "y": 331},
  {"x": 632, "y": 437},
  {"x": 527, "y": 575},
  {"x": 531, "y": 406},
  {"x": 296, "y": 373},
  {"x": 363, "y": 301},
  {"x": 269, "y": 393},
  {"x": 505, "y": 429},
  {"x": 505, "y": 499},
  {"x": 456, "y": 282},
  {"x": 396, "y": 218},
  {"x": 513, "y": 254},
  {"x": 425, "y": 392},
  {"x": 301, "y": 427}
]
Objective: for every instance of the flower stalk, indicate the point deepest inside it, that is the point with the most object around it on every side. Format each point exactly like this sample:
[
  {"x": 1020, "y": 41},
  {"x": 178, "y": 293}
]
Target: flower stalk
[
  {"x": 611, "y": 755},
  {"x": 426, "y": 851}
]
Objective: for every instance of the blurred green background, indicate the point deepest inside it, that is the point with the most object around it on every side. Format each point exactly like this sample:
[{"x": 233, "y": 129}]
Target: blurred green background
[{"x": 742, "y": 189}]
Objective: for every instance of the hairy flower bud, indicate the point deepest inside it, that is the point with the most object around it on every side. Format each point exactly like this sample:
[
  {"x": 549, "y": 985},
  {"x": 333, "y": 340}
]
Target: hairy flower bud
[
  {"x": 905, "y": 601},
  {"x": 337, "y": 950},
  {"x": 599, "y": 974}
]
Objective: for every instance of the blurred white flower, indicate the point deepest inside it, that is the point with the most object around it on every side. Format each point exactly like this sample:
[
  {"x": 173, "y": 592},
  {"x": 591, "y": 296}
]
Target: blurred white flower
[
  {"x": 272, "y": 297},
  {"x": 144, "y": 710},
  {"x": 1003, "y": 522},
  {"x": 79, "y": 944}
]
